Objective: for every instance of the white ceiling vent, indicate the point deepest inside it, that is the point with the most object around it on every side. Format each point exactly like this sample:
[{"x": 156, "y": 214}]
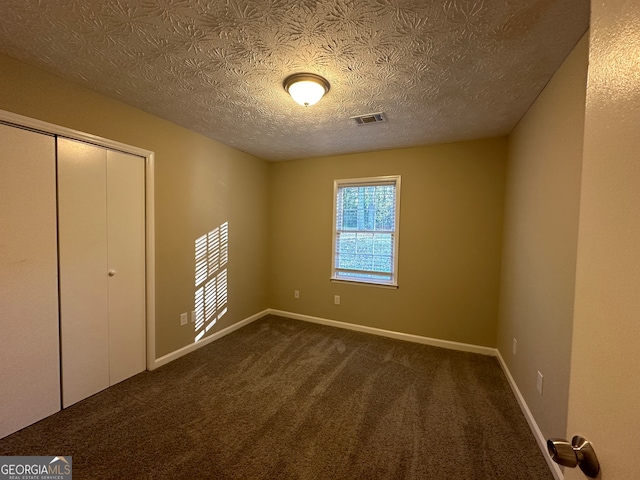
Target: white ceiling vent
[{"x": 369, "y": 118}]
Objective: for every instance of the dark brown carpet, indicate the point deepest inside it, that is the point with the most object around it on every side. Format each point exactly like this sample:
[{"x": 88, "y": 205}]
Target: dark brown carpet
[{"x": 283, "y": 399}]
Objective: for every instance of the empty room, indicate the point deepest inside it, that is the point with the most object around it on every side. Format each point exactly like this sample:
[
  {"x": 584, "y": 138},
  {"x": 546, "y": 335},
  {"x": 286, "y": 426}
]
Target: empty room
[{"x": 340, "y": 239}]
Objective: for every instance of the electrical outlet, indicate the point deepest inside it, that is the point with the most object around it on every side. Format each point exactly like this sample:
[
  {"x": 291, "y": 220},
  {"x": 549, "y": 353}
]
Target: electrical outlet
[
  {"x": 184, "y": 318},
  {"x": 515, "y": 345},
  {"x": 296, "y": 294},
  {"x": 539, "y": 383},
  {"x": 336, "y": 299},
  {"x": 193, "y": 316}
]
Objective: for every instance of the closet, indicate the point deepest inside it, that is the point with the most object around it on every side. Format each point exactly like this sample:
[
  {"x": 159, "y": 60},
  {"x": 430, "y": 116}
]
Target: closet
[
  {"x": 102, "y": 269},
  {"x": 72, "y": 272}
]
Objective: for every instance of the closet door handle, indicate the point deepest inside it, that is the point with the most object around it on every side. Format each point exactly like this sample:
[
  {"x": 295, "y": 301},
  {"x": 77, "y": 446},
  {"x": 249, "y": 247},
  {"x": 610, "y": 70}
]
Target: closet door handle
[{"x": 112, "y": 273}]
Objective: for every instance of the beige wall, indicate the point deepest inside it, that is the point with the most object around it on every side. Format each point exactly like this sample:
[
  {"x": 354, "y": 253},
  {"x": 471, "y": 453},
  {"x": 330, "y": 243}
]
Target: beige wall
[
  {"x": 540, "y": 242},
  {"x": 199, "y": 184},
  {"x": 604, "y": 396},
  {"x": 449, "y": 250}
]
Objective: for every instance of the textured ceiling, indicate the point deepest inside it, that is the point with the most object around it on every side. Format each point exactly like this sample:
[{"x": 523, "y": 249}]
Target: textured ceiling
[{"x": 440, "y": 70}]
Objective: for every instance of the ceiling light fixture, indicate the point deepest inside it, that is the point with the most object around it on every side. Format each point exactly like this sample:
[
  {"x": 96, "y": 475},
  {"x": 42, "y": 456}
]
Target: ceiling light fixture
[{"x": 306, "y": 88}]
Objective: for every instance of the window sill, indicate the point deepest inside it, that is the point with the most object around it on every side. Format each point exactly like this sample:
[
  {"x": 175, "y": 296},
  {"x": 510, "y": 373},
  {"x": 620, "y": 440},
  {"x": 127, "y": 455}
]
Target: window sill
[{"x": 368, "y": 284}]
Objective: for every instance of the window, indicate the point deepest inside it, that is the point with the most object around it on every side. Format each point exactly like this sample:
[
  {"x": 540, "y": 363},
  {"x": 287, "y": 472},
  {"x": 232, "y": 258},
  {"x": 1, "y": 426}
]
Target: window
[{"x": 365, "y": 235}]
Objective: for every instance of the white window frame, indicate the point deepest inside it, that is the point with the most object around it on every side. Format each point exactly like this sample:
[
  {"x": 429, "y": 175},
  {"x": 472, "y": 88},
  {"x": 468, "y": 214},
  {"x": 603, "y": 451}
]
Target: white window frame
[{"x": 363, "y": 182}]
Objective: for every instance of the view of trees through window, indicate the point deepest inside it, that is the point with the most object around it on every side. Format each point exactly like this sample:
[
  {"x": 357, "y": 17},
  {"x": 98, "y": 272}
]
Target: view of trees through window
[{"x": 365, "y": 231}]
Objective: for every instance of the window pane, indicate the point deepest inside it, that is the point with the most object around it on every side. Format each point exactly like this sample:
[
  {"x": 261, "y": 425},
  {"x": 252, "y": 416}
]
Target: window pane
[
  {"x": 368, "y": 195},
  {"x": 350, "y": 219},
  {"x": 383, "y": 244},
  {"x": 350, "y": 197},
  {"x": 382, "y": 264},
  {"x": 346, "y": 243},
  {"x": 347, "y": 261},
  {"x": 339, "y": 208},
  {"x": 364, "y": 243},
  {"x": 385, "y": 207},
  {"x": 364, "y": 262},
  {"x": 369, "y": 219}
]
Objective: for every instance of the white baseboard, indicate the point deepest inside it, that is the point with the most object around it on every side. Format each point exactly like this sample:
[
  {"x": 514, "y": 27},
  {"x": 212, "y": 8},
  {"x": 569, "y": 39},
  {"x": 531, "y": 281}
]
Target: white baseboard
[
  {"x": 465, "y": 347},
  {"x": 540, "y": 439},
  {"x": 206, "y": 340}
]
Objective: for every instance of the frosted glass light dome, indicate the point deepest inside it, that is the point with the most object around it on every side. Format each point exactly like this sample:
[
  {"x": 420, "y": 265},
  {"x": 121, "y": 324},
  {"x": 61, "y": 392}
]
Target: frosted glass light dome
[{"x": 306, "y": 88}]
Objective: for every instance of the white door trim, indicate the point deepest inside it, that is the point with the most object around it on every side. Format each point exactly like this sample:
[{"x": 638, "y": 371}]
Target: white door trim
[{"x": 17, "y": 120}]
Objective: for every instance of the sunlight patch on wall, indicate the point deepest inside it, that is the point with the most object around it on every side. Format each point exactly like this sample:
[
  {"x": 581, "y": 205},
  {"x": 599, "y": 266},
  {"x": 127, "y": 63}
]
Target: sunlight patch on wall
[{"x": 212, "y": 255}]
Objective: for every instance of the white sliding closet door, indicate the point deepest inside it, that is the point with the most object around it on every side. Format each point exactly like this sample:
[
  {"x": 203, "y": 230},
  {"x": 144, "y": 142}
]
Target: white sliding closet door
[
  {"x": 126, "y": 254},
  {"x": 29, "y": 339},
  {"x": 84, "y": 314},
  {"x": 102, "y": 267}
]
